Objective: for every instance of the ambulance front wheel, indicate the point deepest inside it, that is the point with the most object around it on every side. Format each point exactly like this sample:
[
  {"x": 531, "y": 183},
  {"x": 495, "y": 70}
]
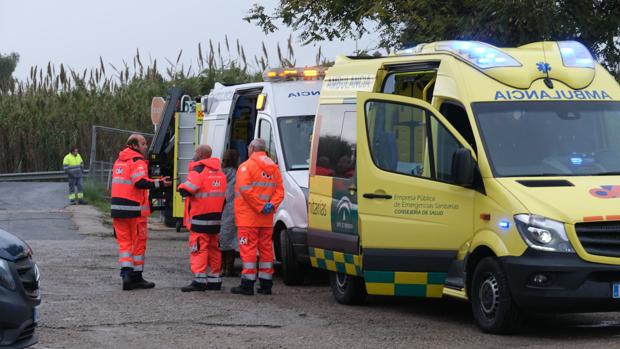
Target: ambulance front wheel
[
  {"x": 492, "y": 305},
  {"x": 347, "y": 289}
]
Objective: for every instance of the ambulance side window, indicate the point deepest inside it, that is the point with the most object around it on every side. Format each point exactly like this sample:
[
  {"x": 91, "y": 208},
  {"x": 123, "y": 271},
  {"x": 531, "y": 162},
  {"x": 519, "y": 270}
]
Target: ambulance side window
[
  {"x": 457, "y": 116},
  {"x": 397, "y": 134},
  {"x": 265, "y": 132},
  {"x": 409, "y": 140},
  {"x": 336, "y": 144},
  {"x": 444, "y": 146}
]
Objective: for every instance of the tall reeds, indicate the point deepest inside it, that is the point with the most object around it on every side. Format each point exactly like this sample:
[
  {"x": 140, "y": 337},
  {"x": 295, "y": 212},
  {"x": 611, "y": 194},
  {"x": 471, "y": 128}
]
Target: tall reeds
[{"x": 42, "y": 117}]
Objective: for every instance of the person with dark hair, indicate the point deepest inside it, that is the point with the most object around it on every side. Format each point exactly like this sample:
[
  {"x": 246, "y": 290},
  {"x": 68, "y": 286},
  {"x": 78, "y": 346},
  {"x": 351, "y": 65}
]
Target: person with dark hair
[
  {"x": 228, "y": 233},
  {"x": 130, "y": 208},
  {"x": 74, "y": 168}
]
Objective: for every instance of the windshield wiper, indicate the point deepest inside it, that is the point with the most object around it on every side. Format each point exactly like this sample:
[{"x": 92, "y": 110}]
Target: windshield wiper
[
  {"x": 545, "y": 175},
  {"x": 610, "y": 173}
]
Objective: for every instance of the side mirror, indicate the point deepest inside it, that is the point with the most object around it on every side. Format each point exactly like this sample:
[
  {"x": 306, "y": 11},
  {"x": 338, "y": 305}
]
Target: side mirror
[{"x": 463, "y": 167}]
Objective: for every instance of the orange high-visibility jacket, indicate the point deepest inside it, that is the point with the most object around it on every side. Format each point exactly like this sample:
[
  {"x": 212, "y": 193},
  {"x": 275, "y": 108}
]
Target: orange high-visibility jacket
[
  {"x": 130, "y": 184},
  {"x": 258, "y": 182},
  {"x": 206, "y": 186}
]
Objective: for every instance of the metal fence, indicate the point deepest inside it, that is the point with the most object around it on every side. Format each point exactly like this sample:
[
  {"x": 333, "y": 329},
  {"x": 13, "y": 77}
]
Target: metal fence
[{"x": 106, "y": 142}]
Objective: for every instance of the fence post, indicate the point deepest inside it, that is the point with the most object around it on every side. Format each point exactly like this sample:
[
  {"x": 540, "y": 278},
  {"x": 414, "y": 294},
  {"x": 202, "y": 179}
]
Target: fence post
[{"x": 93, "y": 150}]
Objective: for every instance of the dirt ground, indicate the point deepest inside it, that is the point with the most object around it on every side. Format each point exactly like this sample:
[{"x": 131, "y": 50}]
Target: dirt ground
[{"x": 84, "y": 307}]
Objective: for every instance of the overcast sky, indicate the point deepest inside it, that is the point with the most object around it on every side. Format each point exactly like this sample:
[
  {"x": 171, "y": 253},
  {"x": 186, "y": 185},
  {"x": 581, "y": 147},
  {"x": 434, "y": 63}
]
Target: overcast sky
[{"x": 77, "y": 32}]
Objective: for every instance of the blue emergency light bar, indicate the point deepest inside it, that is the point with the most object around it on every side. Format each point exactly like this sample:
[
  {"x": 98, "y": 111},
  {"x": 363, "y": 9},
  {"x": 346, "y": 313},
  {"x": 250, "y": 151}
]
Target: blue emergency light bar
[
  {"x": 575, "y": 55},
  {"x": 482, "y": 55}
]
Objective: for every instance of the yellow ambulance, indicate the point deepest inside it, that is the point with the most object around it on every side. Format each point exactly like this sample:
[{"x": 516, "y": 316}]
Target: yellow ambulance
[{"x": 461, "y": 169}]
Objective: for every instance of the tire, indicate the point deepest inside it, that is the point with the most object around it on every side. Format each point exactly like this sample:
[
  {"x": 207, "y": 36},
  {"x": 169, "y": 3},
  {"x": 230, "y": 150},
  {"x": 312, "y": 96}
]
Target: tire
[
  {"x": 292, "y": 270},
  {"x": 347, "y": 289},
  {"x": 492, "y": 305}
]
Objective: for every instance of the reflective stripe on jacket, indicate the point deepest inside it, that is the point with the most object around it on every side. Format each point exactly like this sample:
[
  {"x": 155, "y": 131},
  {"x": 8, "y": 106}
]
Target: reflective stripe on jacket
[
  {"x": 127, "y": 200},
  {"x": 206, "y": 184},
  {"x": 73, "y": 165},
  {"x": 258, "y": 181}
]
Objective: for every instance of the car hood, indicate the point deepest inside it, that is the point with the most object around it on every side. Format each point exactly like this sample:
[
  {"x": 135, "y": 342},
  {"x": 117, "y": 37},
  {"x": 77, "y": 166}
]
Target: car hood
[
  {"x": 569, "y": 199},
  {"x": 11, "y": 247}
]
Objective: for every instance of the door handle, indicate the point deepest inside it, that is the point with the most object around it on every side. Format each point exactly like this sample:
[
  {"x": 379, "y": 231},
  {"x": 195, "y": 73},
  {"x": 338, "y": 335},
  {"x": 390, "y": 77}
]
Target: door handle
[{"x": 377, "y": 196}]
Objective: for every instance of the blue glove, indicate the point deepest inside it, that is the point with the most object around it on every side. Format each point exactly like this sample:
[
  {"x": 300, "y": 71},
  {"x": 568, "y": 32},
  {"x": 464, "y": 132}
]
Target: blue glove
[{"x": 268, "y": 208}]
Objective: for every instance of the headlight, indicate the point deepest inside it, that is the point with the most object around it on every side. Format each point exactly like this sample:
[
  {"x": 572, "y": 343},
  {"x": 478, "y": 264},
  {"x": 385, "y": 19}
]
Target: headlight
[
  {"x": 543, "y": 233},
  {"x": 6, "y": 278}
]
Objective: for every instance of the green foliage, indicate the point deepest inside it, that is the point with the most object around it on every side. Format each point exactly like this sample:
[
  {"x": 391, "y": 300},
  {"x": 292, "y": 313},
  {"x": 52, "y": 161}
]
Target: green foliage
[
  {"x": 96, "y": 195},
  {"x": 56, "y": 107},
  {"x": 595, "y": 23},
  {"x": 7, "y": 67}
]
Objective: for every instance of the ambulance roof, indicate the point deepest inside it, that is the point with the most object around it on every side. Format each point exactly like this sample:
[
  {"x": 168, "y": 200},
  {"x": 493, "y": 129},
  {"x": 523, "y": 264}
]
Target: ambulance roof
[
  {"x": 567, "y": 62},
  {"x": 283, "y": 98}
]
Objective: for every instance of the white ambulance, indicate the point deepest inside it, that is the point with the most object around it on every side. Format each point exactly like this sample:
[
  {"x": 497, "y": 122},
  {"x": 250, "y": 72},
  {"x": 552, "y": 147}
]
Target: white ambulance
[{"x": 281, "y": 111}]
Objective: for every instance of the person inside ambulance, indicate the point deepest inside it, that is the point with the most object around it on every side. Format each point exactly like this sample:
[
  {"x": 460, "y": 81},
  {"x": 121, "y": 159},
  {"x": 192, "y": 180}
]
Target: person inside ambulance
[
  {"x": 258, "y": 194},
  {"x": 205, "y": 193},
  {"x": 130, "y": 209}
]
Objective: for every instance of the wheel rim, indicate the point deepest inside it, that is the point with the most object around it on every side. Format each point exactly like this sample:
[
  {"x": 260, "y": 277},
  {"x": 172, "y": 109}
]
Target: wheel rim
[
  {"x": 489, "y": 296},
  {"x": 341, "y": 281}
]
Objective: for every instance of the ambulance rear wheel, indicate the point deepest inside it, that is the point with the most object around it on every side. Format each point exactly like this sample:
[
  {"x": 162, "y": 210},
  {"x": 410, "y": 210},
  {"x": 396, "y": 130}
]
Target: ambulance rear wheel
[
  {"x": 492, "y": 305},
  {"x": 292, "y": 270},
  {"x": 347, "y": 289}
]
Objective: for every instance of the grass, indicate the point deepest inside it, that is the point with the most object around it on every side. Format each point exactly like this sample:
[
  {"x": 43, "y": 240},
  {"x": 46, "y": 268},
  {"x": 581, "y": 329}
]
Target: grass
[{"x": 97, "y": 195}]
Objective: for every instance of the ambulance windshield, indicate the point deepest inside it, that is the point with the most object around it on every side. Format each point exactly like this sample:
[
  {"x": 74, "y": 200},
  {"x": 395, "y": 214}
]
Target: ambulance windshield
[
  {"x": 295, "y": 135},
  {"x": 550, "y": 138}
]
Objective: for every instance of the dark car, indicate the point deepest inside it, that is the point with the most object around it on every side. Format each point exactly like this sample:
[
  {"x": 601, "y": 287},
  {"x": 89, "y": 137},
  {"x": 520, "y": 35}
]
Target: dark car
[{"x": 19, "y": 293}]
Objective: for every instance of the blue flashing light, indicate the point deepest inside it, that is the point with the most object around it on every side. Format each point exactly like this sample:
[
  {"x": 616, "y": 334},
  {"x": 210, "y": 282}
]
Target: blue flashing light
[
  {"x": 504, "y": 224},
  {"x": 576, "y": 160},
  {"x": 482, "y": 55},
  {"x": 575, "y": 55}
]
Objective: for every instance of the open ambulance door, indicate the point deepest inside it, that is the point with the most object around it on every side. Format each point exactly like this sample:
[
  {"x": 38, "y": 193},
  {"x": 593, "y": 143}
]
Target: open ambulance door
[
  {"x": 241, "y": 121},
  {"x": 413, "y": 216}
]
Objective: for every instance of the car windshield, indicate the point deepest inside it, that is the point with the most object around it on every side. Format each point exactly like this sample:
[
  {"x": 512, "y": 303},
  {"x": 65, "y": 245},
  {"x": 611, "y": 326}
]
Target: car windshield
[
  {"x": 550, "y": 138},
  {"x": 295, "y": 135}
]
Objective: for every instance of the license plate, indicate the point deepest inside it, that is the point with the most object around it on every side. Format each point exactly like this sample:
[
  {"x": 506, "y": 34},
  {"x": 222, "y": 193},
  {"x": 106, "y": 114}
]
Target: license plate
[
  {"x": 616, "y": 290},
  {"x": 36, "y": 314}
]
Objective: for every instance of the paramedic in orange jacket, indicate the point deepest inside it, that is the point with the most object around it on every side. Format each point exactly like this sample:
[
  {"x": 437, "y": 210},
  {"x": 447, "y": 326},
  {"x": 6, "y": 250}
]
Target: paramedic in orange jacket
[
  {"x": 130, "y": 209},
  {"x": 205, "y": 194},
  {"x": 258, "y": 193}
]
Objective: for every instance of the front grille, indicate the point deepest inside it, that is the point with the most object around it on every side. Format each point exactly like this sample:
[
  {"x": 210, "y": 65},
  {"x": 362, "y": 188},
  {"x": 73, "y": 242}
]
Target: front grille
[
  {"x": 28, "y": 276},
  {"x": 26, "y": 333},
  {"x": 600, "y": 238}
]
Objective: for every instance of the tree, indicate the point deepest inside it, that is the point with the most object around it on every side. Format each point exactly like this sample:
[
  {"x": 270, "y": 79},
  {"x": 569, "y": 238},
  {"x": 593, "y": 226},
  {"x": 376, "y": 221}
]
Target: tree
[
  {"x": 400, "y": 23},
  {"x": 7, "y": 67}
]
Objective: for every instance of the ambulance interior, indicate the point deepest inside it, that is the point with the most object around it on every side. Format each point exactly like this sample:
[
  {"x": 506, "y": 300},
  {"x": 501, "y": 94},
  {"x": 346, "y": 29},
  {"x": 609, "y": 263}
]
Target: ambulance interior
[
  {"x": 243, "y": 122},
  {"x": 399, "y": 133}
]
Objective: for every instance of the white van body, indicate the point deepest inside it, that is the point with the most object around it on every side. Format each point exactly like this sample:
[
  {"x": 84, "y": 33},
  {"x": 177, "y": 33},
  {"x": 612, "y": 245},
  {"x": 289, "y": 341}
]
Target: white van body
[{"x": 289, "y": 109}]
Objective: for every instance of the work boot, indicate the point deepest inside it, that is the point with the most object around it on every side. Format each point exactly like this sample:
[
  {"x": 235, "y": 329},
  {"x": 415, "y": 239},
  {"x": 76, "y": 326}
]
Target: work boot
[
  {"x": 246, "y": 288},
  {"x": 194, "y": 286},
  {"x": 139, "y": 282},
  {"x": 214, "y": 286},
  {"x": 128, "y": 281},
  {"x": 81, "y": 202},
  {"x": 72, "y": 202},
  {"x": 265, "y": 286}
]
